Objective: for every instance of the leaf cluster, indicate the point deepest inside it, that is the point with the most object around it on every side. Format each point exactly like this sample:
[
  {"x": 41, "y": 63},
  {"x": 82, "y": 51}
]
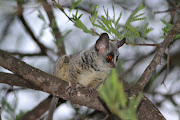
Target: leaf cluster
[
  {"x": 117, "y": 100},
  {"x": 168, "y": 27},
  {"x": 112, "y": 26},
  {"x": 131, "y": 32},
  {"x": 75, "y": 3}
]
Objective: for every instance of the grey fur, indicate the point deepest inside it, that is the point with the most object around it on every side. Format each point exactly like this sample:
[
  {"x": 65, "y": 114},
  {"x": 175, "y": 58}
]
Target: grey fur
[{"x": 88, "y": 68}]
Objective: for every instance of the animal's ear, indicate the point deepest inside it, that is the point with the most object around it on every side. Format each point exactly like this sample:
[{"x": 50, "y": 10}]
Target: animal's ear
[
  {"x": 121, "y": 43},
  {"x": 102, "y": 43}
]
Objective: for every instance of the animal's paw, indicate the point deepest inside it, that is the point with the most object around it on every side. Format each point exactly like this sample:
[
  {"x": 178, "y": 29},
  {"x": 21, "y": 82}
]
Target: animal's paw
[
  {"x": 71, "y": 91},
  {"x": 91, "y": 90}
]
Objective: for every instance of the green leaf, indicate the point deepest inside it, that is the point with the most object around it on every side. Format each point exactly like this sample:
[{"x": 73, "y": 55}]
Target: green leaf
[
  {"x": 170, "y": 26},
  {"x": 167, "y": 29},
  {"x": 137, "y": 18},
  {"x": 53, "y": 24},
  {"x": 79, "y": 16},
  {"x": 116, "y": 99},
  {"x": 80, "y": 25},
  {"x": 75, "y": 16},
  {"x": 138, "y": 100},
  {"x": 146, "y": 30},
  {"x": 114, "y": 15},
  {"x": 132, "y": 17},
  {"x": 40, "y": 15},
  {"x": 177, "y": 36},
  {"x": 75, "y": 4},
  {"x": 134, "y": 30},
  {"x": 131, "y": 32},
  {"x": 103, "y": 27},
  {"x": 105, "y": 22},
  {"x": 116, "y": 23},
  {"x": 94, "y": 14}
]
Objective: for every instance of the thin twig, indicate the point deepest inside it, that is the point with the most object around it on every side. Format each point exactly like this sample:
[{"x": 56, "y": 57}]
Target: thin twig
[
  {"x": 62, "y": 10},
  {"x": 154, "y": 45},
  {"x": 9, "y": 20},
  {"x": 72, "y": 20},
  {"x": 54, "y": 26},
  {"x": 167, "y": 67},
  {"x": 169, "y": 10},
  {"x": 140, "y": 59},
  {"x": 28, "y": 29},
  {"x": 26, "y": 54}
]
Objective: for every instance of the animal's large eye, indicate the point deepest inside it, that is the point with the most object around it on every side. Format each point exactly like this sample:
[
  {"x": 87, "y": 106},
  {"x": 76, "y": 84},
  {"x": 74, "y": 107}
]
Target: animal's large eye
[{"x": 109, "y": 58}]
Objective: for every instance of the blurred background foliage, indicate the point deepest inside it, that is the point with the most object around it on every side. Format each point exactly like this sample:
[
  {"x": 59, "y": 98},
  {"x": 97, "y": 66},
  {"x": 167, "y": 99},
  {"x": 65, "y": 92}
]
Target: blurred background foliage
[{"x": 36, "y": 34}]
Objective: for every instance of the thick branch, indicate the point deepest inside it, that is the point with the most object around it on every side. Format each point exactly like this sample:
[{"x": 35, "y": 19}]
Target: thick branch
[
  {"x": 38, "y": 111},
  {"x": 14, "y": 80},
  {"x": 56, "y": 87},
  {"x": 26, "y": 54},
  {"x": 46, "y": 82},
  {"x": 157, "y": 58}
]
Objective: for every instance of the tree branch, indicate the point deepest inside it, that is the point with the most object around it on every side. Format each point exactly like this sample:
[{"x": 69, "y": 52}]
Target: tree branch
[
  {"x": 9, "y": 21},
  {"x": 46, "y": 82},
  {"x": 26, "y": 54},
  {"x": 169, "y": 10},
  {"x": 13, "y": 80},
  {"x": 56, "y": 87},
  {"x": 157, "y": 58},
  {"x": 28, "y": 29},
  {"x": 139, "y": 60},
  {"x": 38, "y": 111},
  {"x": 54, "y": 27}
]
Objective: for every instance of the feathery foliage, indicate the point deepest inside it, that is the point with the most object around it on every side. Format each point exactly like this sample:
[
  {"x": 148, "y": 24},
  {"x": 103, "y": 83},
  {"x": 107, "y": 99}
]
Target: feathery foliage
[
  {"x": 109, "y": 25},
  {"x": 167, "y": 29},
  {"x": 117, "y": 100},
  {"x": 75, "y": 3},
  {"x": 131, "y": 32},
  {"x": 112, "y": 26}
]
